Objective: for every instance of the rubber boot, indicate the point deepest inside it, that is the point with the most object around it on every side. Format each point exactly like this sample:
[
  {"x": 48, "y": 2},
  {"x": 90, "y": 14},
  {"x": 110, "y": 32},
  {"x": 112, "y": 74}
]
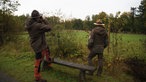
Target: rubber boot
[
  {"x": 37, "y": 74},
  {"x": 47, "y": 59}
]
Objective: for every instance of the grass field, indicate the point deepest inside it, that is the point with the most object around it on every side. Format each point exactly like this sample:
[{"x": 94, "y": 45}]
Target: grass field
[{"x": 17, "y": 59}]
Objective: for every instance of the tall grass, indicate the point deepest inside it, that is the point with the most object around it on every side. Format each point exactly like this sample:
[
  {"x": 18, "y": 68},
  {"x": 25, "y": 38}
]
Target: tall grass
[{"x": 17, "y": 59}]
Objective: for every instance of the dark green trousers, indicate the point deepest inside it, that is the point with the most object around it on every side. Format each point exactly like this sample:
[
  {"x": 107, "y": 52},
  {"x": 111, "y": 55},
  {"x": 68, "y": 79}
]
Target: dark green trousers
[{"x": 100, "y": 61}]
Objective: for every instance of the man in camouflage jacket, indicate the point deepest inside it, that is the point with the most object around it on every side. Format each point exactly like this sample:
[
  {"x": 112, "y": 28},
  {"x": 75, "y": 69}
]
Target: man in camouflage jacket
[
  {"x": 98, "y": 40},
  {"x": 36, "y": 27}
]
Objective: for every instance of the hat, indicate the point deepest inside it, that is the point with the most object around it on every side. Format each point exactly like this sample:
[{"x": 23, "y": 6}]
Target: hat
[
  {"x": 35, "y": 14},
  {"x": 98, "y": 22}
]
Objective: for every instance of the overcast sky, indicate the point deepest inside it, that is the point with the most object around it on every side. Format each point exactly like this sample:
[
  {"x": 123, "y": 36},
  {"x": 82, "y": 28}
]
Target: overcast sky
[{"x": 75, "y": 8}]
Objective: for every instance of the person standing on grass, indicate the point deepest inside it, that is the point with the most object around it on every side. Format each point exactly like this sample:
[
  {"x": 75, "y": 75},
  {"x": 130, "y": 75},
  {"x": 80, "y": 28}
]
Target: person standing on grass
[
  {"x": 97, "y": 42},
  {"x": 36, "y": 27}
]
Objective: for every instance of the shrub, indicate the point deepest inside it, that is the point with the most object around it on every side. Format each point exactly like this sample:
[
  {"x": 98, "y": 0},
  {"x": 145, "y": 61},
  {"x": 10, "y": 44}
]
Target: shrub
[
  {"x": 137, "y": 68},
  {"x": 9, "y": 28},
  {"x": 63, "y": 42}
]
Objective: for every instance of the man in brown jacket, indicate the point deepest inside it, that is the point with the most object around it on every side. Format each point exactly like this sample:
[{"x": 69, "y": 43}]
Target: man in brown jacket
[
  {"x": 36, "y": 27},
  {"x": 98, "y": 40}
]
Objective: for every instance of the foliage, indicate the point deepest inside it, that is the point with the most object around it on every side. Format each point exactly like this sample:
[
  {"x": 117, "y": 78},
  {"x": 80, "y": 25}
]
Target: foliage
[
  {"x": 8, "y": 24},
  {"x": 87, "y": 23},
  {"x": 63, "y": 42},
  {"x": 136, "y": 68},
  {"x": 142, "y": 16},
  {"x": 9, "y": 6},
  {"x": 9, "y": 28},
  {"x": 77, "y": 24},
  {"x": 53, "y": 20},
  {"x": 20, "y": 58},
  {"x": 21, "y": 22},
  {"x": 68, "y": 24},
  {"x": 125, "y": 22},
  {"x": 115, "y": 44}
]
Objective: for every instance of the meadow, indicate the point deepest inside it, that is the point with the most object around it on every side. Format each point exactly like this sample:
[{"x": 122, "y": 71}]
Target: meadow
[{"x": 17, "y": 58}]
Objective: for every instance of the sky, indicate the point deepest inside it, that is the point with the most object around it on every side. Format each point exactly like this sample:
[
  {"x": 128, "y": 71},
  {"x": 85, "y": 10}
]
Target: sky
[{"x": 75, "y": 8}]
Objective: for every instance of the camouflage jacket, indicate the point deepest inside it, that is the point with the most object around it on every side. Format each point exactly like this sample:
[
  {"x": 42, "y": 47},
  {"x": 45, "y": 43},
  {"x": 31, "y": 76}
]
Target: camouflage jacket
[
  {"x": 36, "y": 32},
  {"x": 98, "y": 40}
]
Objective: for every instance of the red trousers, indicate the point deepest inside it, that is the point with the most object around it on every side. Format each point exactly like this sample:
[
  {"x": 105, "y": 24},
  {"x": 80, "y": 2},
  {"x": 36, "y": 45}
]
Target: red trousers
[{"x": 38, "y": 59}]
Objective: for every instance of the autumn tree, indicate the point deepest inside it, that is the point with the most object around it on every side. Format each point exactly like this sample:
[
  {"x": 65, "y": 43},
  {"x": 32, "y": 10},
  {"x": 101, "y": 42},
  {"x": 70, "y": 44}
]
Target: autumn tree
[
  {"x": 7, "y": 22},
  {"x": 77, "y": 24},
  {"x": 142, "y": 16}
]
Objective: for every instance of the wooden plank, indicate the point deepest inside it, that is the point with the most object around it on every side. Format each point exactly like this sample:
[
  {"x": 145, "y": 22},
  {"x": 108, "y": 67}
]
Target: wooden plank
[{"x": 73, "y": 65}]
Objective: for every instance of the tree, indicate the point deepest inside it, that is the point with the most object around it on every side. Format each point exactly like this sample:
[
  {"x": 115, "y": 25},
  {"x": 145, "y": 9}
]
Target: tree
[
  {"x": 53, "y": 20},
  {"x": 9, "y": 6},
  {"x": 7, "y": 23},
  {"x": 126, "y": 21},
  {"x": 103, "y": 16},
  {"x": 88, "y": 24},
  {"x": 68, "y": 24},
  {"x": 94, "y": 18},
  {"x": 142, "y": 15},
  {"x": 77, "y": 24}
]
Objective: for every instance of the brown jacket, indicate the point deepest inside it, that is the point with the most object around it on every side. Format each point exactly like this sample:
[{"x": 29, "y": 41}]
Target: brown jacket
[
  {"x": 98, "y": 39},
  {"x": 37, "y": 34}
]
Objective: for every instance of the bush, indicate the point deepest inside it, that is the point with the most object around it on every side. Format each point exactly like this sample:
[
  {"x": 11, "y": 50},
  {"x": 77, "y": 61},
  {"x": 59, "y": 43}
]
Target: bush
[
  {"x": 63, "y": 43},
  {"x": 8, "y": 29},
  {"x": 137, "y": 68}
]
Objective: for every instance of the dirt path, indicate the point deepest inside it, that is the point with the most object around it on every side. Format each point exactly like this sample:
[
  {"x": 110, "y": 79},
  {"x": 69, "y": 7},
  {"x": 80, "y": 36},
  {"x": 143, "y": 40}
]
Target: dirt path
[{"x": 6, "y": 78}]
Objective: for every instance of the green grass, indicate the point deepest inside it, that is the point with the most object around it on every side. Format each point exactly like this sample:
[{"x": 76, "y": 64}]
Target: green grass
[
  {"x": 22, "y": 70},
  {"x": 17, "y": 60},
  {"x": 133, "y": 37}
]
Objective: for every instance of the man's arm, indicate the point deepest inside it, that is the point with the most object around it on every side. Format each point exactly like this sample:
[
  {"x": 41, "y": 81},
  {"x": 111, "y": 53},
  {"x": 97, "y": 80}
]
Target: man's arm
[
  {"x": 91, "y": 39},
  {"x": 45, "y": 27},
  {"x": 45, "y": 21},
  {"x": 106, "y": 42},
  {"x": 42, "y": 27}
]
